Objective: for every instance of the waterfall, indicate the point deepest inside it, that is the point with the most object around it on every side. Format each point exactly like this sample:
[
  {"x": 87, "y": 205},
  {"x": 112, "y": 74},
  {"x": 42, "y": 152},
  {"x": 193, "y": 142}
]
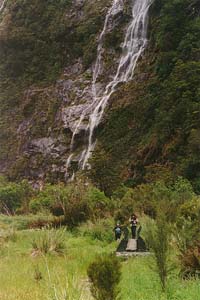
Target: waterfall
[
  {"x": 2, "y": 5},
  {"x": 134, "y": 44},
  {"x": 117, "y": 6}
]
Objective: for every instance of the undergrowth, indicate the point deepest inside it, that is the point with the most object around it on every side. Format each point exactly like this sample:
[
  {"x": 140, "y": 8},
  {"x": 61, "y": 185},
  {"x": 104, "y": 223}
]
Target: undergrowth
[{"x": 49, "y": 241}]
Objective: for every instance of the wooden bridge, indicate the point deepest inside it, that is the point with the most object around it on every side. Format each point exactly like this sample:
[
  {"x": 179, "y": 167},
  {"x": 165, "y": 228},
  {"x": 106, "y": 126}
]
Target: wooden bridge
[{"x": 132, "y": 247}]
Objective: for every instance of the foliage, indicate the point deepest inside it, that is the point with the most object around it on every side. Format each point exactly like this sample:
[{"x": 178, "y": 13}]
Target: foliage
[
  {"x": 188, "y": 236},
  {"x": 24, "y": 222},
  {"x": 14, "y": 196},
  {"x": 49, "y": 241},
  {"x": 101, "y": 230},
  {"x": 104, "y": 274},
  {"x": 159, "y": 241},
  {"x": 77, "y": 202},
  {"x": 190, "y": 262},
  {"x": 99, "y": 203},
  {"x": 46, "y": 198},
  {"x": 7, "y": 235},
  {"x": 34, "y": 49},
  {"x": 187, "y": 224},
  {"x": 151, "y": 130},
  {"x": 64, "y": 200},
  {"x": 146, "y": 198},
  {"x": 102, "y": 173},
  {"x": 38, "y": 40},
  {"x": 190, "y": 210},
  {"x": 67, "y": 273}
]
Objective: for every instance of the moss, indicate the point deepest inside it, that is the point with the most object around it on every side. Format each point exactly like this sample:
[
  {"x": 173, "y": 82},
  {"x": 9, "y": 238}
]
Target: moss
[
  {"x": 37, "y": 42},
  {"x": 152, "y": 124},
  {"x": 30, "y": 50},
  {"x": 150, "y": 131},
  {"x": 18, "y": 169}
]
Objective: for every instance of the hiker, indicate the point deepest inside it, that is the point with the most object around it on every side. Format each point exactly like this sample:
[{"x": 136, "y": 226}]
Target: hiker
[
  {"x": 133, "y": 223},
  {"x": 118, "y": 231}
]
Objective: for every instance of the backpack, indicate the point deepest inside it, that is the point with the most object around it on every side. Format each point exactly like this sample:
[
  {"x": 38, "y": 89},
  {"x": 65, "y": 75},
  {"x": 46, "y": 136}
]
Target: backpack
[{"x": 118, "y": 230}]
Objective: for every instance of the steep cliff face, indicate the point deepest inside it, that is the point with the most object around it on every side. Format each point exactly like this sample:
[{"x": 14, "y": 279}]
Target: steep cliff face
[
  {"x": 47, "y": 51},
  {"x": 150, "y": 128}
]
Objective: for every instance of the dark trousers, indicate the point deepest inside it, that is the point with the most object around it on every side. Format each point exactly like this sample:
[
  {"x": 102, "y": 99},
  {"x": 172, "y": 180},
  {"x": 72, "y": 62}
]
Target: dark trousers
[
  {"x": 117, "y": 236},
  {"x": 133, "y": 231}
]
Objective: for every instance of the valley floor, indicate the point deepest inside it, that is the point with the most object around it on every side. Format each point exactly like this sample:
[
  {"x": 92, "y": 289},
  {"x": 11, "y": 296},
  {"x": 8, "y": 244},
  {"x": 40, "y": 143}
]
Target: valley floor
[{"x": 25, "y": 275}]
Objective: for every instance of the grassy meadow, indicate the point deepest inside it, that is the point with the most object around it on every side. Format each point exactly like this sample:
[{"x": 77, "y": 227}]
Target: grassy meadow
[{"x": 27, "y": 274}]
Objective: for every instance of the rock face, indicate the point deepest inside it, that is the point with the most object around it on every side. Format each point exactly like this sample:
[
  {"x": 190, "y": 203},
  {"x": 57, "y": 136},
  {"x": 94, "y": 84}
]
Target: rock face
[
  {"x": 150, "y": 125},
  {"x": 50, "y": 114}
]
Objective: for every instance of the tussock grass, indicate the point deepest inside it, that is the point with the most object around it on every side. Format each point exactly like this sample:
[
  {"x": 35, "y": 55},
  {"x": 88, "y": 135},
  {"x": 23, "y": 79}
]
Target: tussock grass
[
  {"x": 49, "y": 240},
  {"x": 22, "y": 222},
  {"x": 64, "y": 277},
  {"x": 101, "y": 230},
  {"x": 141, "y": 283}
]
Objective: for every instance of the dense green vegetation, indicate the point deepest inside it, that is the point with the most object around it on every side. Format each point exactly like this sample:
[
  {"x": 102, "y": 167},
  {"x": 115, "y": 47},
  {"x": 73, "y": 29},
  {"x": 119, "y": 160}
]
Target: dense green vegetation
[
  {"x": 31, "y": 51},
  {"x": 152, "y": 128},
  {"x": 31, "y": 47},
  {"x": 150, "y": 136},
  {"x": 105, "y": 275},
  {"x": 169, "y": 216},
  {"x": 146, "y": 159},
  {"x": 38, "y": 39},
  {"x": 28, "y": 270},
  {"x": 175, "y": 207}
]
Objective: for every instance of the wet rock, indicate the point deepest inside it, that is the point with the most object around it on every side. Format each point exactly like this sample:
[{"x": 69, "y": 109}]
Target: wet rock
[
  {"x": 43, "y": 145},
  {"x": 72, "y": 114},
  {"x": 73, "y": 96},
  {"x": 24, "y": 127},
  {"x": 76, "y": 68},
  {"x": 79, "y": 3}
]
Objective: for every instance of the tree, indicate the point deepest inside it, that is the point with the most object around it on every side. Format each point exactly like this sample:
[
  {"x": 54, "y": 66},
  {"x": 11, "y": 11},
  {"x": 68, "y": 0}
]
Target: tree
[
  {"x": 104, "y": 274},
  {"x": 159, "y": 241}
]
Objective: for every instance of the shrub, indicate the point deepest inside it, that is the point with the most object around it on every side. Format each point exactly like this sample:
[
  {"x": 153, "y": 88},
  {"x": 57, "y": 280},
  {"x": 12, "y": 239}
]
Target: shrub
[
  {"x": 41, "y": 222},
  {"x": 76, "y": 207},
  {"x": 190, "y": 209},
  {"x": 190, "y": 261},
  {"x": 49, "y": 241},
  {"x": 77, "y": 202},
  {"x": 14, "y": 195},
  {"x": 74, "y": 289},
  {"x": 8, "y": 235},
  {"x": 159, "y": 241},
  {"x": 187, "y": 239},
  {"x": 29, "y": 221},
  {"x": 41, "y": 58},
  {"x": 101, "y": 230},
  {"x": 46, "y": 198},
  {"x": 146, "y": 197},
  {"x": 98, "y": 202},
  {"x": 53, "y": 198},
  {"x": 104, "y": 274}
]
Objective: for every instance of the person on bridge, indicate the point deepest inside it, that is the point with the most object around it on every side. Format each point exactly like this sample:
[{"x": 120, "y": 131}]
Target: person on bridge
[
  {"x": 118, "y": 232},
  {"x": 133, "y": 223}
]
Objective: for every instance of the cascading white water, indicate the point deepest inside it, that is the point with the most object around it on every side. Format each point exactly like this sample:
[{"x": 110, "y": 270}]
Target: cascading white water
[
  {"x": 134, "y": 45},
  {"x": 2, "y": 5},
  {"x": 117, "y": 5}
]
